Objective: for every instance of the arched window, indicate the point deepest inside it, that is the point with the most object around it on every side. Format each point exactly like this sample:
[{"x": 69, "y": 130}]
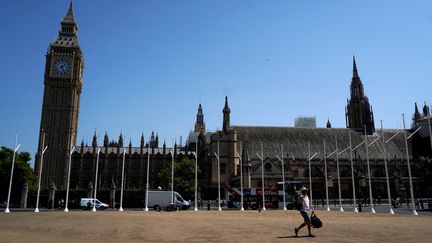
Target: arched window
[{"x": 268, "y": 167}]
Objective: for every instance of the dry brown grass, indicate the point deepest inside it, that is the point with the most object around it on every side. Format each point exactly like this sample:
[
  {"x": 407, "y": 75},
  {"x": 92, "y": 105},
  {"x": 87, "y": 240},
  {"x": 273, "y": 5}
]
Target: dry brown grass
[{"x": 205, "y": 226}]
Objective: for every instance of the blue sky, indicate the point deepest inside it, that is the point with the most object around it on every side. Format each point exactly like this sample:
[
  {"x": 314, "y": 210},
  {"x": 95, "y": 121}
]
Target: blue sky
[{"x": 148, "y": 64}]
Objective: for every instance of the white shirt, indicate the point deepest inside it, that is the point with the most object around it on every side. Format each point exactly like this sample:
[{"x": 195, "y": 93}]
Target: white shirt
[{"x": 305, "y": 204}]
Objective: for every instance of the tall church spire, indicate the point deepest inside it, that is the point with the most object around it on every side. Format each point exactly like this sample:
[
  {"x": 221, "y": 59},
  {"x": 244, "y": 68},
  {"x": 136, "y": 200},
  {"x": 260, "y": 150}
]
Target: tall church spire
[
  {"x": 358, "y": 111},
  {"x": 199, "y": 124},
  {"x": 226, "y": 116},
  {"x": 417, "y": 115}
]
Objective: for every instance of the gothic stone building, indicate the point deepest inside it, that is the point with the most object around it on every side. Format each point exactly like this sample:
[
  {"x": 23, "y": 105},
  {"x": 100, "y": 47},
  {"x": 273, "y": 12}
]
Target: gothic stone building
[{"x": 234, "y": 142}]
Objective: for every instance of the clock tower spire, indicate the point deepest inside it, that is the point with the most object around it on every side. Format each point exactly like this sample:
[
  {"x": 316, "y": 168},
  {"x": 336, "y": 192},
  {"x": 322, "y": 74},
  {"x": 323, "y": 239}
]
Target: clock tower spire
[{"x": 63, "y": 79}]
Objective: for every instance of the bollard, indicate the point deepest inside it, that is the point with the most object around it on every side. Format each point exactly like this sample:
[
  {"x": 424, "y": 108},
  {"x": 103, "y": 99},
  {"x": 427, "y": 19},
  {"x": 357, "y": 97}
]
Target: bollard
[
  {"x": 360, "y": 207},
  {"x": 208, "y": 205}
]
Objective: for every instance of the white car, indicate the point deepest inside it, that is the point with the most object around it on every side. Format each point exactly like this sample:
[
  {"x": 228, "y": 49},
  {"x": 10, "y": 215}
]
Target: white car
[{"x": 87, "y": 203}]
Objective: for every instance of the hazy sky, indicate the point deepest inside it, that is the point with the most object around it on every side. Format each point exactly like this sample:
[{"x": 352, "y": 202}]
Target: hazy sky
[{"x": 148, "y": 64}]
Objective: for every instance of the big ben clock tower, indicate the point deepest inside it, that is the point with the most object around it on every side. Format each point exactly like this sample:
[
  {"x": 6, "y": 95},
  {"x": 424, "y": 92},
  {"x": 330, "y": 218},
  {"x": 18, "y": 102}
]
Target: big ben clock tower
[{"x": 59, "y": 122}]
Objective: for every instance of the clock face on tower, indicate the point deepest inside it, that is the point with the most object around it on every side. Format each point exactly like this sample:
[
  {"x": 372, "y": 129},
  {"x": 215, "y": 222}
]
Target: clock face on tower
[{"x": 62, "y": 67}]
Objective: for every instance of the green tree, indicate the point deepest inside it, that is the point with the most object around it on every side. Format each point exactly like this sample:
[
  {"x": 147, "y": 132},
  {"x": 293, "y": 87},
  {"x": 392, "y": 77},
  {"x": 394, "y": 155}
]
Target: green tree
[
  {"x": 22, "y": 172},
  {"x": 424, "y": 167},
  {"x": 184, "y": 177}
]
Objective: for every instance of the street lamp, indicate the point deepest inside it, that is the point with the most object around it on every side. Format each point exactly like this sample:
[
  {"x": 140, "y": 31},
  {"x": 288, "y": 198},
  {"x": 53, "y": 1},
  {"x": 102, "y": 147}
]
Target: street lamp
[
  {"x": 12, "y": 171},
  {"x": 262, "y": 176},
  {"x": 283, "y": 177},
  {"x": 68, "y": 181},
  {"x": 40, "y": 173},
  {"x": 121, "y": 190},
  {"x": 408, "y": 163},
  {"x": 96, "y": 179}
]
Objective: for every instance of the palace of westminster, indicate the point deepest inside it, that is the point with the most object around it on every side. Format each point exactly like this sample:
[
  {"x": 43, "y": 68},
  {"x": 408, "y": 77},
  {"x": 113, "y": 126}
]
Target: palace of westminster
[{"x": 63, "y": 82}]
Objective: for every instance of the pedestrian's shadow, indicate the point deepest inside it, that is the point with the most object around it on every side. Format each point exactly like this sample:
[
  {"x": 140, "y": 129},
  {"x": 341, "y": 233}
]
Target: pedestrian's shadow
[{"x": 291, "y": 236}]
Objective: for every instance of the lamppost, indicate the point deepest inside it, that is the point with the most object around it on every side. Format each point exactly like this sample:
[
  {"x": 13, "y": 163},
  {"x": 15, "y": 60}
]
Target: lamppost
[
  {"x": 262, "y": 176},
  {"x": 122, "y": 180},
  {"x": 408, "y": 163},
  {"x": 385, "y": 165},
  {"x": 12, "y": 171},
  {"x": 283, "y": 177},
  {"x": 68, "y": 180},
  {"x": 96, "y": 179},
  {"x": 44, "y": 148}
]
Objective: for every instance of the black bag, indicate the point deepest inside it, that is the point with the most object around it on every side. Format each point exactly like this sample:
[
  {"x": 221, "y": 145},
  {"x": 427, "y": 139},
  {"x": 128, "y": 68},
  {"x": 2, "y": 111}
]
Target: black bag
[
  {"x": 315, "y": 221},
  {"x": 298, "y": 203}
]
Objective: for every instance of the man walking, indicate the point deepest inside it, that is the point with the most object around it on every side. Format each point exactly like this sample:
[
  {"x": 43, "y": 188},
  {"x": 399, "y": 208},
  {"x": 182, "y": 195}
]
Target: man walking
[{"x": 306, "y": 211}]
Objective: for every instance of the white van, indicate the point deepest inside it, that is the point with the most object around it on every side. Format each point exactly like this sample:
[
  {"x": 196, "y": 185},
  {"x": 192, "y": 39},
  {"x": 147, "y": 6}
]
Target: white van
[
  {"x": 87, "y": 203},
  {"x": 162, "y": 200}
]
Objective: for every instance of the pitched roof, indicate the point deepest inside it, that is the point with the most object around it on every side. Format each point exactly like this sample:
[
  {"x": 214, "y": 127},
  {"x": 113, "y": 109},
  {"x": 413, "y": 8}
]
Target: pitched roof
[{"x": 295, "y": 142}]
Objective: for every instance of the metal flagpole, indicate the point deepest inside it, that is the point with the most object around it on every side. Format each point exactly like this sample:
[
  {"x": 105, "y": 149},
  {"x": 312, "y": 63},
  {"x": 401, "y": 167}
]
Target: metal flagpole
[
  {"x": 408, "y": 164},
  {"x": 262, "y": 176},
  {"x": 369, "y": 175},
  {"x": 430, "y": 131},
  {"x": 44, "y": 148},
  {"x": 12, "y": 171},
  {"x": 310, "y": 173},
  {"x": 96, "y": 179},
  {"x": 241, "y": 180},
  {"x": 68, "y": 180},
  {"x": 338, "y": 175},
  {"x": 218, "y": 167},
  {"x": 386, "y": 170},
  {"x": 122, "y": 181},
  {"x": 147, "y": 179},
  {"x": 283, "y": 177},
  {"x": 352, "y": 173},
  {"x": 326, "y": 177},
  {"x": 172, "y": 175},
  {"x": 196, "y": 174}
]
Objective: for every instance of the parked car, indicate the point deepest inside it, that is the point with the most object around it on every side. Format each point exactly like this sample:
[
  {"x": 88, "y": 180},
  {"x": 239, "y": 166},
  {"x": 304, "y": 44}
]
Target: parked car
[
  {"x": 159, "y": 200},
  {"x": 87, "y": 203}
]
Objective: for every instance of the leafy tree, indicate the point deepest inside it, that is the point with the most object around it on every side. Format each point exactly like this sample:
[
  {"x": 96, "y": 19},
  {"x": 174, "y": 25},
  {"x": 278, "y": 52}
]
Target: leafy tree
[
  {"x": 424, "y": 166},
  {"x": 22, "y": 172},
  {"x": 184, "y": 177}
]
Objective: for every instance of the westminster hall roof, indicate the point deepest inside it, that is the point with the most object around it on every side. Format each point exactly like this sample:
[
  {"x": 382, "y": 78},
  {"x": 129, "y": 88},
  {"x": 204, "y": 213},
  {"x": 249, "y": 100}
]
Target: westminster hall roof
[{"x": 295, "y": 142}]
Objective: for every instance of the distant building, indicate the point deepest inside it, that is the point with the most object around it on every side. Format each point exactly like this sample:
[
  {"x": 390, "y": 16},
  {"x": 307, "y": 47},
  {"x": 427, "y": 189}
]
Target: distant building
[{"x": 305, "y": 122}]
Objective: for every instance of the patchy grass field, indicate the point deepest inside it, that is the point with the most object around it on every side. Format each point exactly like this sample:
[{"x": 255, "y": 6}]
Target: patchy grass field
[{"x": 209, "y": 226}]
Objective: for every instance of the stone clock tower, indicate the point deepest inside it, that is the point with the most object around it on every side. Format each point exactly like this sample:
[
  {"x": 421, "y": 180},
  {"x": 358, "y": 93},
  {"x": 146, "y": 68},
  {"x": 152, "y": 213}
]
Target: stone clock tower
[{"x": 59, "y": 122}]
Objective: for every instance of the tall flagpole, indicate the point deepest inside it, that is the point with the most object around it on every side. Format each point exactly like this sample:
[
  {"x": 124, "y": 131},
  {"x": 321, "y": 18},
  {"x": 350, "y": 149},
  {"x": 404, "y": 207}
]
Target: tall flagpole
[
  {"x": 122, "y": 181},
  {"x": 68, "y": 180},
  {"x": 338, "y": 175},
  {"x": 196, "y": 174},
  {"x": 12, "y": 171},
  {"x": 96, "y": 179},
  {"x": 44, "y": 148},
  {"x": 172, "y": 176},
  {"x": 241, "y": 178},
  {"x": 326, "y": 177},
  {"x": 218, "y": 166},
  {"x": 352, "y": 173},
  {"x": 408, "y": 165},
  {"x": 283, "y": 179},
  {"x": 386, "y": 170},
  {"x": 147, "y": 179},
  {"x": 310, "y": 173},
  {"x": 369, "y": 174},
  {"x": 262, "y": 176}
]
